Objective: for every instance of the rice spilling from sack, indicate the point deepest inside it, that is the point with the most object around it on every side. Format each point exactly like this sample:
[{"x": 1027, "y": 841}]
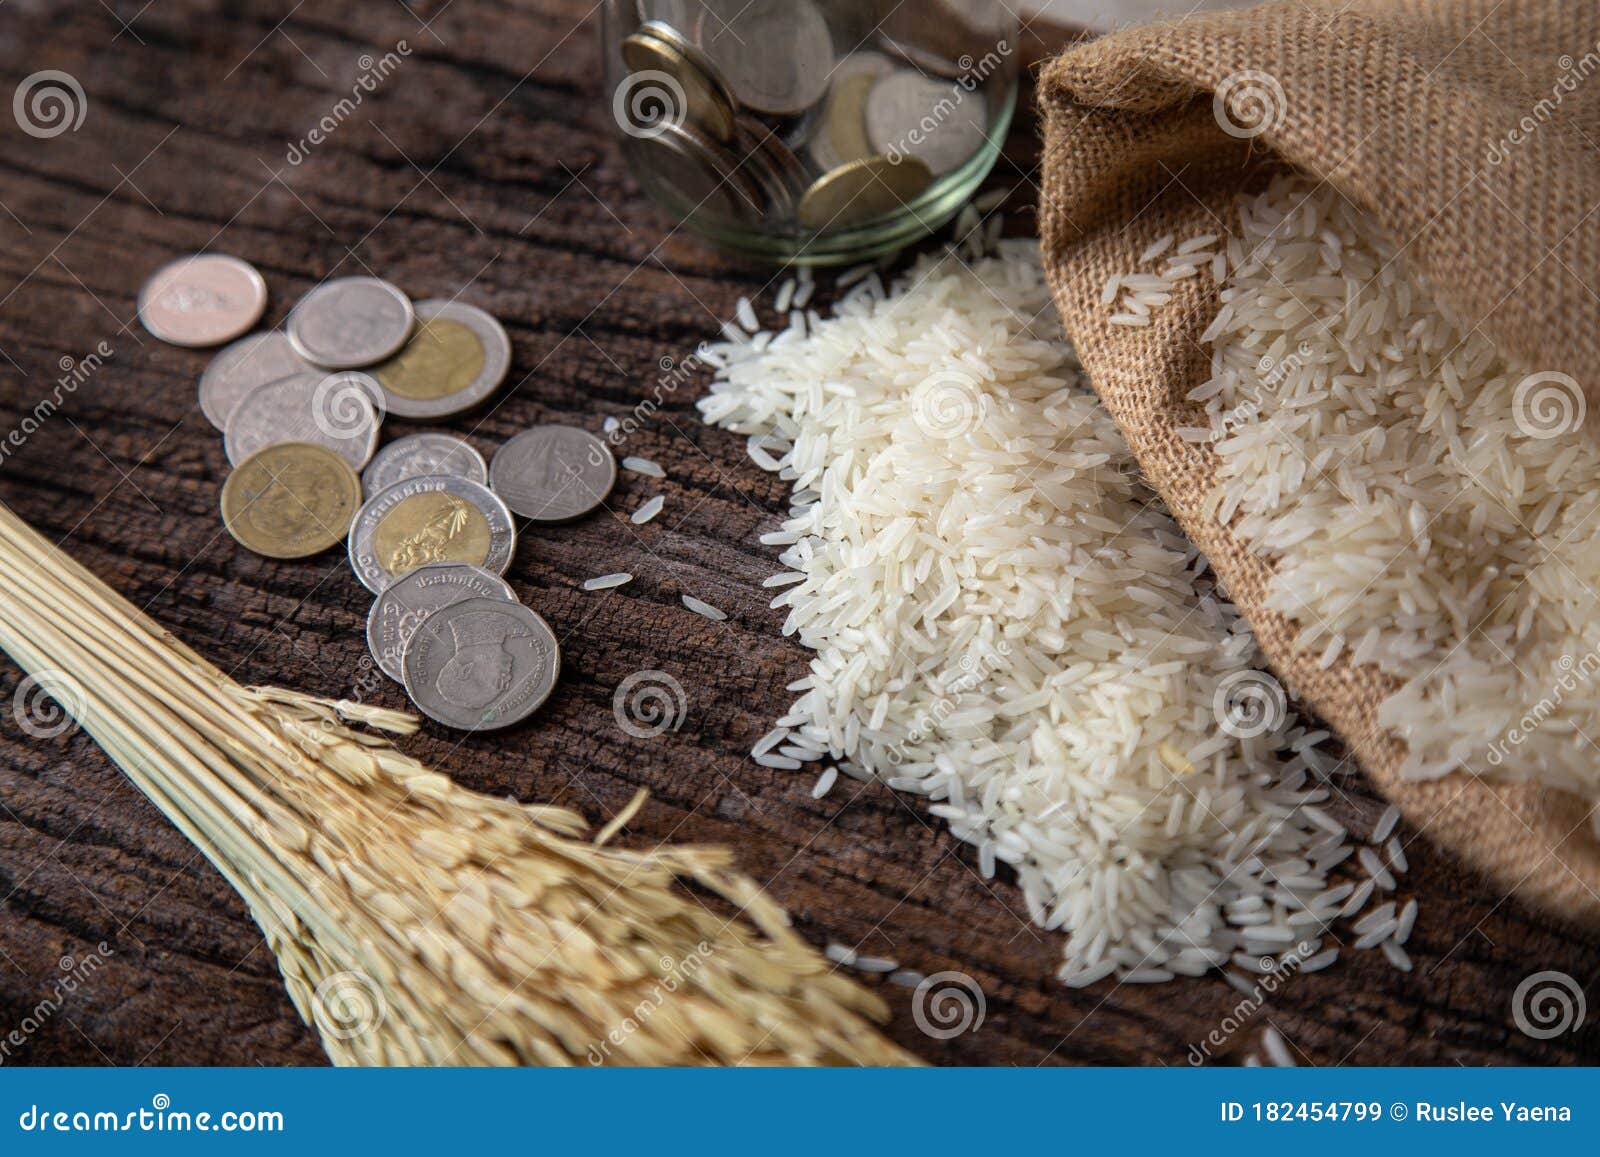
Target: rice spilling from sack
[
  {"x": 1006, "y": 621},
  {"x": 1429, "y": 505}
]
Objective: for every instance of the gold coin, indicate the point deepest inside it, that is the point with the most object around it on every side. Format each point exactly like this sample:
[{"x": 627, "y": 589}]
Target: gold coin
[
  {"x": 428, "y": 528},
  {"x": 701, "y": 97},
  {"x": 291, "y": 500},
  {"x": 863, "y": 190},
  {"x": 843, "y": 134},
  {"x": 442, "y": 358}
]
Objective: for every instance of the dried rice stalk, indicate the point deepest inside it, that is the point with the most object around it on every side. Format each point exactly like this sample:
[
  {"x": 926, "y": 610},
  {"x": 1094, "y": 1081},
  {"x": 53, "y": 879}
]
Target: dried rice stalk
[{"x": 416, "y": 922}]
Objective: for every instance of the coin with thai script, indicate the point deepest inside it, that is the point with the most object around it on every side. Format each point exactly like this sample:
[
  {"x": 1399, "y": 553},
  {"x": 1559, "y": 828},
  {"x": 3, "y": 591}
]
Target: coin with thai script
[
  {"x": 670, "y": 79},
  {"x": 409, "y": 601},
  {"x": 481, "y": 664},
  {"x": 426, "y": 520},
  {"x": 350, "y": 322},
  {"x": 337, "y": 411},
  {"x": 775, "y": 54},
  {"x": 841, "y": 136},
  {"x": 941, "y": 124},
  {"x": 240, "y": 367},
  {"x": 203, "y": 300},
  {"x": 457, "y": 357},
  {"x": 862, "y": 190},
  {"x": 291, "y": 500},
  {"x": 418, "y": 455},
  {"x": 553, "y": 473}
]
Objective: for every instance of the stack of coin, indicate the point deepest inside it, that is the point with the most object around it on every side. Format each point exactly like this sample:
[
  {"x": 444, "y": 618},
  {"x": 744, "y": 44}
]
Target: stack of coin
[
  {"x": 429, "y": 525},
  {"x": 741, "y": 110}
]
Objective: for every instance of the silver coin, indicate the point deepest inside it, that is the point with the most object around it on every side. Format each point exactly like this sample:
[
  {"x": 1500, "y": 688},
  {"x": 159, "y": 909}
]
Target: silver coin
[
  {"x": 419, "y": 455},
  {"x": 443, "y": 370},
  {"x": 203, "y": 300},
  {"x": 481, "y": 664},
  {"x": 332, "y": 410},
  {"x": 350, "y": 322},
  {"x": 775, "y": 54},
  {"x": 239, "y": 368},
  {"x": 429, "y": 520},
  {"x": 553, "y": 473},
  {"x": 904, "y": 119},
  {"x": 411, "y": 601}
]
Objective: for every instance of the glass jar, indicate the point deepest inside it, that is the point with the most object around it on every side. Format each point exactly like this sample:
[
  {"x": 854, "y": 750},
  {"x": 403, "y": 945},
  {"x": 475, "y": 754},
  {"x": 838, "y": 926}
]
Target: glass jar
[{"x": 811, "y": 132}]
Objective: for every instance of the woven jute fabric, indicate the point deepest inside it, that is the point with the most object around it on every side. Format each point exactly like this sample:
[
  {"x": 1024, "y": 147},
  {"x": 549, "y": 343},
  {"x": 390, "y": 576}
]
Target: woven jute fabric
[{"x": 1442, "y": 121}]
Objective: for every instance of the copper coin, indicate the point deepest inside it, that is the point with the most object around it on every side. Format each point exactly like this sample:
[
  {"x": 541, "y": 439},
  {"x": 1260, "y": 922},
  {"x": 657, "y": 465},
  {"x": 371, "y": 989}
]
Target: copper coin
[{"x": 203, "y": 300}]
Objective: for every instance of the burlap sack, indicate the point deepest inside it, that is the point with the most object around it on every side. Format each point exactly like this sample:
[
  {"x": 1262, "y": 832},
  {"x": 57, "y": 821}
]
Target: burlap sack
[{"x": 1407, "y": 108}]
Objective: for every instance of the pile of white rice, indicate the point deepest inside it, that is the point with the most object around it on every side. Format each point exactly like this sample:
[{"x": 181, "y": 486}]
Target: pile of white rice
[
  {"x": 1007, "y": 622},
  {"x": 1428, "y": 503}
]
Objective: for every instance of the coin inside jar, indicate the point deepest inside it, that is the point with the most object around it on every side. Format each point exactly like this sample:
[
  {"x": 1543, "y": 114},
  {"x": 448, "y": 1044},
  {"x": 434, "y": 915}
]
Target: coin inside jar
[
  {"x": 419, "y": 455},
  {"x": 672, "y": 80},
  {"x": 841, "y": 137},
  {"x": 335, "y": 411},
  {"x": 203, "y": 300},
  {"x": 350, "y": 322},
  {"x": 862, "y": 190},
  {"x": 242, "y": 366},
  {"x": 693, "y": 173},
  {"x": 409, "y": 602},
  {"x": 291, "y": 500},
  {"x": 457, "y": 357},
  {"x": 426, "y": 520},
  {"x": 904, "y": 118},
  {"x": 481, "y": 664},
  {"x": 775, "y": 54},
  {"x": 553, "y": 473}
]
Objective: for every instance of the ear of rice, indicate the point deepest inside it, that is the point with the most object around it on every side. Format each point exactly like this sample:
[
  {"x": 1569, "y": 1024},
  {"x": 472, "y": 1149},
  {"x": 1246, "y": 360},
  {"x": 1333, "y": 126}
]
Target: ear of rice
[{"x": 415, "y": 922}]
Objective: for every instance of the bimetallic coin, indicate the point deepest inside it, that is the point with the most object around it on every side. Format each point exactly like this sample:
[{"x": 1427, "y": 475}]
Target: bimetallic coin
[
  {"x": 203, "y": 300},
  {"x": 481, "y": 664},
  {"x": 553, "y": 473},
  {"x": 706, "y": 100},
  {"x": 291, "y": 500},
  {"x": 863, "y": 190},
  {"x": 350, "y": 322},
  {"x": 427, "y": 520},
  {"x": 457, "y": 357},
  {"x": 776, "y": 54},
  {"x": 239, "y": 368},
  {"x": 842, "y": 135},
  {"x": 331, "y": 410},
  {"x": 419, "y": 455},
  {"x": 941, "y": 124},
  {"x": 694, "y": 174},
  {"x": 409, "y": 602}
]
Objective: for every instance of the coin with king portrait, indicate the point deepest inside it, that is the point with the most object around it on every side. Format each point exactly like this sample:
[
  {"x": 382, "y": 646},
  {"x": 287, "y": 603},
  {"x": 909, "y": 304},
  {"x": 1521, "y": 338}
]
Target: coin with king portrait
[{"x": 481, "y": 664}]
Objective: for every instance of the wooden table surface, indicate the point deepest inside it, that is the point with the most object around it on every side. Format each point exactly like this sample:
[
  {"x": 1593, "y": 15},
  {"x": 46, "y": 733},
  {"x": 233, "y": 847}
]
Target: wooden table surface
[{"x": 483, "y": 165}]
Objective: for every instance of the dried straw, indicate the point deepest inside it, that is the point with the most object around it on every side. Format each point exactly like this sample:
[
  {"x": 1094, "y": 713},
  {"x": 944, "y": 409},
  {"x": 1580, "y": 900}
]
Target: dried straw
[{"x": 416, "y": 922}]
